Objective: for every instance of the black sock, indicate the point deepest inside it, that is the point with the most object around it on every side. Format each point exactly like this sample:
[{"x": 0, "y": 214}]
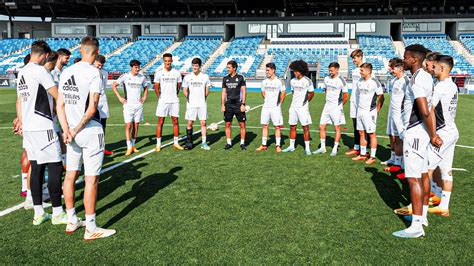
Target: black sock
[
  {"x": 55, "y": 171},
  {"x": 36, "y": 182},
  {"x": 189, "y": 138}
]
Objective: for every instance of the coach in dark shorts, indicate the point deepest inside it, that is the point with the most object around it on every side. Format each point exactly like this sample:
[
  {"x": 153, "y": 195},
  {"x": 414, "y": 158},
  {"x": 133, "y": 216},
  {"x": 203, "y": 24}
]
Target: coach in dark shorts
[{"x": 233, "y": 103}]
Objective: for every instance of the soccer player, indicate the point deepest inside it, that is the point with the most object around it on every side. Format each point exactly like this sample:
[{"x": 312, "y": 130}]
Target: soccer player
[
  {"x": 420, "y": 129},
  {"x": 394, "y": 122},
  {"x": 167, "y": 84},
  {"x": 444, "y": 105},
  {"x": 234, "y": 94},
  {"x": 35, "y": 121},
  {"x": 136, "y": 92},
  {"x": 336, "y": 97},
  {"x": 303, "y": 93},
  {"x": 358, "y": 59},
  {"x": 103, "y": 104},
  {"x": 274, "y": 93},
  {"x": 196, "y": 87},
  {"x": 63, "y": 59},
  {"x": 369, "y": 99},
  {"x": 80, "y": 87}
]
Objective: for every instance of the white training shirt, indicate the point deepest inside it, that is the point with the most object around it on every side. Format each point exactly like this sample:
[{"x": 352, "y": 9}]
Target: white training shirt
[
  {"x": 355, "y": 78},
  {"x": 421, "y": 85},
  {"x": 273, "y": 89},
  {"x": 56, "y": 73},
  {"x": 133, "y": 87},
  {"x": 103, "y": 104},
  {"x": 168, "y": 84},
  {"x": 33, "y": 82},
  {"x": 78, "y": 82},
  {"x": 335, "y": 89},
  {"x": 397, "y": 93},
  {"x": 445, "y": 101},
  {"x": 301, "y": 88},
  {"x": 367, "y": 91},
  {"x": 196, "y": 89}
]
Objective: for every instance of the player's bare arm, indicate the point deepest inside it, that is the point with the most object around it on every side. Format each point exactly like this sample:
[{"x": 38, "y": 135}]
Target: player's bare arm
[
  {"x": 157, "y": 89},
  {"x": 223, "y": 97},
  {"x": 244, "y": 97},
  {"x": 145, "y": 95},
  {"x": 429, "y": 120},
  {"x": 117, "y": 93},
  {"x": 381, "y": 99},
  {"x": 91, "y": 109}
]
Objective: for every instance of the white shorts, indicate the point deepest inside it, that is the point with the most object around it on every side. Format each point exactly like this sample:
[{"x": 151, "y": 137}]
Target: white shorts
[
  {"x": 299, "y": 114},
  {"x": 353, "y": 109},
  {"x": 42, "y": 146},
  {"x": 343, "y": 117},
  {"x": 103, "y": 107},
  {"x": 133, "y": 113},
  {"x": 443, "y": 156},
  {"x": 393, "y": 127},
  {"x": 193, "y": 112},
  {"x": 88, "y": 147},
  {"x": 271, "y": 113},
  {"x": 415, "y": 151},
  {"x": 367, "y": 121},
  {"x": 331, "y": 116},
  {"x": 167, "y": 109}
]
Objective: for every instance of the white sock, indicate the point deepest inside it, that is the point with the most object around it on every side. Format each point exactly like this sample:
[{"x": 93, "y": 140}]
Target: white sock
[
  {"x": 24, "y": 181},
  {"x": 204, "y": 139},
  {"x": 373, "y": 152},
  {"x": 175, "y": 140},
  {"x": 425, "y": 212},
  {"x": 229, "y": 141},
  {"x": 356, "y": 147},
  {"x": 336, "y": 144},
  {"x": 438, "y": 192},
  {"x": 416, "y": 223},
  {"x": 392, "y": 156},
  {"x": 38, "y": 210},
  {"x": 306, "y": 145},
  {"x": 90, "y": 222},
  {"x": 264, "y": 141},
  {"x": 292, "y": 143},
  {"x": 71, "y": 215},
  {"x": 278, "y": 141},
  {"x": 57, "y": 210},
  {"x": 28, "y": 195},
  {"x": 363, "y": 150},
  {"x": 129, "y": 144},
  {"x": 445, "y": 197},
  {"x": 323, "y": 144},
  {"x": 398, "y": 160},
  {"x": 242, "y": 141},
  {"x": 133, "y": 142},
  {"x": 158, "y": 142}
]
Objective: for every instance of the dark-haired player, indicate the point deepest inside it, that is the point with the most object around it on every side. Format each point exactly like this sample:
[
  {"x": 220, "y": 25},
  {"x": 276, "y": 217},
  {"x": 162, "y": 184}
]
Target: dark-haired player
[
  {"x": 233, "y": 98},
  {"x": 336, "y": 97},
  {"x": 63, "y": 59},
  {"x": 35, "y": 121},
  {"x": 167, "y": 85},
  {"x": 136, "y": 92},
  {"x": 196, "y": 87},
  {"x": 274, "y": 92},
  {"x": 303, "y": 93},
  {"x": 420, "y": 129}
]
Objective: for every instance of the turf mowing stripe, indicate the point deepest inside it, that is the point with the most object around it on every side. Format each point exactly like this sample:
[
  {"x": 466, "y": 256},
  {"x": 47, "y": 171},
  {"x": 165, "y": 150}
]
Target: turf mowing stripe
[{"x": 19, "y": 206}]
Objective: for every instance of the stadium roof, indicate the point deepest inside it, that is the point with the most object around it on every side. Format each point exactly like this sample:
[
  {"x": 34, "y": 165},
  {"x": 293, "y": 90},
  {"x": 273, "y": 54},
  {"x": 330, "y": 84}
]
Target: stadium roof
[{"x": 201, "y": 9}]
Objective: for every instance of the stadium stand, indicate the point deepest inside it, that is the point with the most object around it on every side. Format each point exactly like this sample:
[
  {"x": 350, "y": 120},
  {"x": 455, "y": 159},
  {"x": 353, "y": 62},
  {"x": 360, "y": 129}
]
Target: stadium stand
[
  {"x": 378, "y": 50},
  {"x": 244, "y": 51},
  {"x": 143, "y": 49},
  {"x": 8, "y": 46},
  {"x": 191, "y": 47},
  {"x": 468, "y": 41},
  {"x": 107, "y": 46},
  {"x": 440, "y": 43}
]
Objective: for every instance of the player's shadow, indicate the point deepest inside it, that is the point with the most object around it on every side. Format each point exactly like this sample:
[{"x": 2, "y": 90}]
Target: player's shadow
[
  {"x": 249, "y": 137},
  {"x": 112, "y": 180},
  {"x": 272, "y": 140},
  {"x": 141, "y": 192},
  {"x": 120, "y": 147},
  {"x": 347, "y": 141},
  {"x": 215, "y": 137},
  {"x": 390, "y": 191}
]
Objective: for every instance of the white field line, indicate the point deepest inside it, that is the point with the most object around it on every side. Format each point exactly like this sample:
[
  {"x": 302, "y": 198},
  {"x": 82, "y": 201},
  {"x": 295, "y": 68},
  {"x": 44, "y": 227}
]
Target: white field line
[{"x": 19, "y": 206}]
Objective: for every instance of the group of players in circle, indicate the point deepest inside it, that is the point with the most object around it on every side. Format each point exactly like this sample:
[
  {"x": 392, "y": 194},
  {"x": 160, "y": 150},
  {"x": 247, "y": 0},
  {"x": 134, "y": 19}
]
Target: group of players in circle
[{"x": 420, "y": 121}]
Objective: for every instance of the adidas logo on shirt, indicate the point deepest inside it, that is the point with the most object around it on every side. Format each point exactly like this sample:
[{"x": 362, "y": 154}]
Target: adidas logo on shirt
[{"x": 70, "y": 85}]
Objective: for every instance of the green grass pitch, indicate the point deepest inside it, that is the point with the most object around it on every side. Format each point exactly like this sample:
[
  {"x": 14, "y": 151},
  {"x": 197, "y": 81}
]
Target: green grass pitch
[{"x": 240, "y": 206}]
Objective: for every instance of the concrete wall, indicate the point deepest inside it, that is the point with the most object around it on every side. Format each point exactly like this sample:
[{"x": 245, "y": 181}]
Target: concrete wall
[{"x": 34, "y": 29}]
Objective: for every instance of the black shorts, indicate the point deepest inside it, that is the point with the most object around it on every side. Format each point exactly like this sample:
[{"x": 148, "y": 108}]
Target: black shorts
[{"x": 232, "y": 109}]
